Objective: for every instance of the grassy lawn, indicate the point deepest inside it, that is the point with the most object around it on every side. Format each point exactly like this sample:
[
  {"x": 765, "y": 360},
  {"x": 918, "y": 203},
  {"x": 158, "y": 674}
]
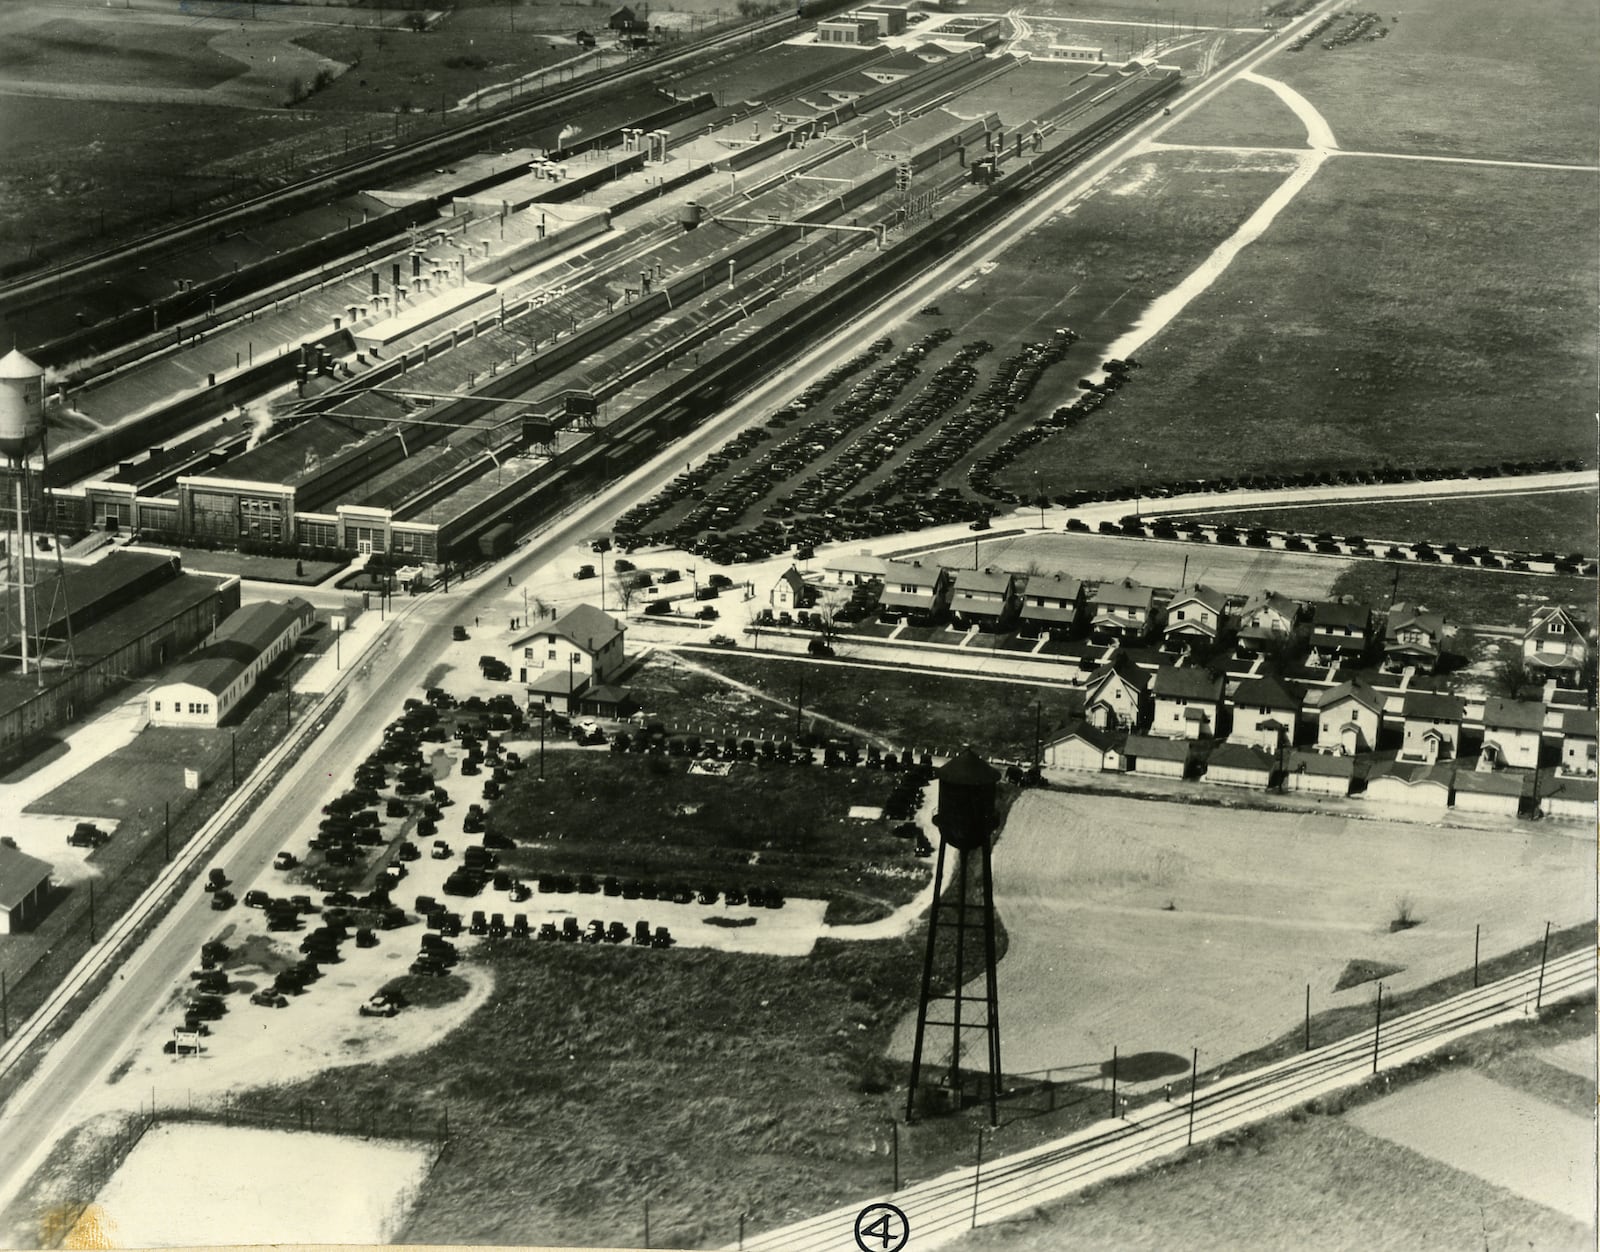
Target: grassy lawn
[
  {"x": 273, "y": 569},
  {"x": 1376, "y": 354},
  {"x": 1478, "y": 597},
  {"x": 1311, "y": 1180},
  {"x": 647, "y": 817},
  {"x": 940, "y": 712},
  {"x": 129, "y": 53},
  {"x": 1546, "y": 521},
  {"x": 1461, "y": 78}
]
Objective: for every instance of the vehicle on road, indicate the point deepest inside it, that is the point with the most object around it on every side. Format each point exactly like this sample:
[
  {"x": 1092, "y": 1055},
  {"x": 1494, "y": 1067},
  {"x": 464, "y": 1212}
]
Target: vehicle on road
[{"x": 285, "y": 860}]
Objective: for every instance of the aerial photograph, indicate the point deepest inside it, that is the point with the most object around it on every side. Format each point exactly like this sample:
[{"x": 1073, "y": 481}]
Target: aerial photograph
[{"x": 806, "y": 627}]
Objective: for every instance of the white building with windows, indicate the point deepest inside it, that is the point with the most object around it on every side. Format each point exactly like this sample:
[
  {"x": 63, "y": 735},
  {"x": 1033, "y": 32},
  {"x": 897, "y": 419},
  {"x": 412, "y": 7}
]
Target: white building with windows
[
  {"x": 206, "y": 687},
  {"x": 581, "y": 650}
]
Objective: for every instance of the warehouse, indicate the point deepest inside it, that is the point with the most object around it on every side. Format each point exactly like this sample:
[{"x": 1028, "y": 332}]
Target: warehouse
[{"x": 209, "y": 685}]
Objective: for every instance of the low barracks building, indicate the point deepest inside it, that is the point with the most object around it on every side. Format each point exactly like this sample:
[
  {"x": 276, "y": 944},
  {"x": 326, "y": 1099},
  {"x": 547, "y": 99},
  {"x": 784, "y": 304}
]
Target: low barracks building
[{"x": 209, "y": 685}]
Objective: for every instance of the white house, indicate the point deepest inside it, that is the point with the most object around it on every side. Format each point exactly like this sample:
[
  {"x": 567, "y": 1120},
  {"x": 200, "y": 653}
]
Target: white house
[
  {"x": 1187, "y": 698},
  {"x": 1265, "y": 712},
  {"x": 790, "y": 592},
  {"x": 1122, "y": 610},
  {"x": 1413, "y": 637},
  {"x": 1433, "y": 726},
  {"x": 1266, "y": 620},
  {"x": 560, "y": 662},
  {"x": 1114, "y": 695},
  {"x": 1556, "y": 645},
  {"x": 1052, "y": 602},
  {"x": 1578, "y": 742},
  {"x": 1511, "y": 733},
  {"x": 1194, "y": 617},
  {"x": 1348, "y": 718},
  {"x": 855, "y": 571},
  {"x": 207, "y": 686}
]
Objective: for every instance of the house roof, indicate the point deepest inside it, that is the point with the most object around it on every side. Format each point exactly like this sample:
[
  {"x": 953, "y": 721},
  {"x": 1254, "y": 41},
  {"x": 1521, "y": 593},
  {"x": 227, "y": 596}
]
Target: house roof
[
  {"x": 1566, "y": 788},
  {"x": 1201, "y": 594},
  {"x": 792, "y": 577},
  {"x": 1122, "y": 595},
  {"x": 862, "y": 563},
  {"x": 1186, "y": 682},
  {"x": 910, "y": 574},
  {"x": 1156, "y": 749},
  {"x": 1578, "y": 724},
  {"x": 990, "y": 582},
  {"x": 1433, "y": 705},
  {"x": 1324, "y": 763},
  {"x": 241, "y": 638},
  {"x": 1412, "y": 773},
  {"x": 583, "y": 624},
  {"x": 1544, "y": 615},
  {"x": 19, "y": 875},
  {"x": 1097, "y": 739},
  {"x": 1402, "y": 615},
  {"x": 1120, "y": 666},
  {"x": 1266, "y": 692},
  {"x": 1500, "y": 713},
  {"x": 605, "y": 695},
  {"x": 1492, "y": 783},
  {"x": 1355, "y": 690},
  {"x": 1329, "y": 613},
  {"x": 1238, "y": 756},
  {"x": 1057, "y": 586},
  {"x": 1049, "y": 613},
  {"x": 1268, "y": 600}
]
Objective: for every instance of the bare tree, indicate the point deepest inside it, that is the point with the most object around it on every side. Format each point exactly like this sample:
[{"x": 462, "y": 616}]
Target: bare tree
[
  {"x": 1513, "y": 676},
  {"x": 629, "y": 584}
]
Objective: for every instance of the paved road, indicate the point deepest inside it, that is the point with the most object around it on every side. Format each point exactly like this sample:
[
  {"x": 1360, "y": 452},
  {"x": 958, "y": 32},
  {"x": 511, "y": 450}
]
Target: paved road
[{"x": 940, "y": 1210}]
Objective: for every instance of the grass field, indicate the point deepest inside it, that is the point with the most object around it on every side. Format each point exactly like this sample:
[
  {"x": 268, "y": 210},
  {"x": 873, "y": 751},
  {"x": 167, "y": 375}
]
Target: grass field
[
  {"x": 912, "y": 709},
  {"x": 177, "y": 56},
  {"x": 1377, "y": 353},
  {"x": 277, "y": 569},
  {"x": 647, "y": 817},
  {"x": 1461, "y": 78},
  {"x": 1553, "y": 521},
  {"x": 1481, "y": 597},
  {"x": 1244, "y": 114},
  {"x": 1311, "y": 1181}
]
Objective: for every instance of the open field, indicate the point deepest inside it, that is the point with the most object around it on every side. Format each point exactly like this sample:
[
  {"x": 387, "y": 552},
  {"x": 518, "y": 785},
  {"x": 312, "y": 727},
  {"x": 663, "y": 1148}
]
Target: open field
[
  {"x": 1312, "y": 1180},
  {"x": 1245, "y": 114},
  {"x": 1545, "y": 521},
  {"x": 1481, "y": 597},
  {"x": 1258, "y": 910},
  {"x": 1377, "y": 354},
  {"x": 647, "y": 817},
  {"x": 277, "y": 569},
  {"x": 914, "y": 709},
  {"x": 1150, "y": 13},
  {"x": 1466, "y": 78}
]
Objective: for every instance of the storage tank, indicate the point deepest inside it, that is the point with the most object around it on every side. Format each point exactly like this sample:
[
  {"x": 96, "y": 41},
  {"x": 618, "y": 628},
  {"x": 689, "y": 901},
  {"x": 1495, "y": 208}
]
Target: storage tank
[
  {"x": 21, "y": 405},
  {"x": 690, "y": 215}
]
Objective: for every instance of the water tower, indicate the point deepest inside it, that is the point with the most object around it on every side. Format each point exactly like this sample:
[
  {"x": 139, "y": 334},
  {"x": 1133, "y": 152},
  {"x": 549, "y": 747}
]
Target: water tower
[
  {"x": 966, "y": 820},
  {"x": 21, "y": 434}
]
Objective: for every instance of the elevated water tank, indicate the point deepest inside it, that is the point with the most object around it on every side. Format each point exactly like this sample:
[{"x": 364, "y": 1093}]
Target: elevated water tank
[{"x": 21, "y": 405}]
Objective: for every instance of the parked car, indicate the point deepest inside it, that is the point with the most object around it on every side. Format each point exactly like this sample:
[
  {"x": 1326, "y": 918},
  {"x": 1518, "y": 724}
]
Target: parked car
[
  {"x": 383, "y": 1004},
  {"x": 722, "y": 641},
  {"x": 459, "y": 633},
  {"x": 267, "y": 998},
  {"x": 221, "y": 900},
  {"x": 87, "y": 835},
  {"x": 285, "y": 860},
  {"x": 256, "y": 899}
]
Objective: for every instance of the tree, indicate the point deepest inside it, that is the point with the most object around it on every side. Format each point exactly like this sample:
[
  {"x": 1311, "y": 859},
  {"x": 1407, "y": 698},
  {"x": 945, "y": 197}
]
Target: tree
[
  {"x": 1513, "y": 677},
  {"x": 629, "y": 584}
]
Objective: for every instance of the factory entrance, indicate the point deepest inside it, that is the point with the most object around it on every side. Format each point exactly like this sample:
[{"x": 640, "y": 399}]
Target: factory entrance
[{"x": 364, "y": 547}]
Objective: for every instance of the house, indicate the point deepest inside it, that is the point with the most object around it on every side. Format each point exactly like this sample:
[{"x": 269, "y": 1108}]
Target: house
[
  {"x": 1266, "y": 621},
  {"x": 1433, "y": 726},
  {"x": 1082, "y": 747},
  {"x": 583, "y": 39},
  {"x": 1556, "y": 645},
  {"x": 1410, "y": 785},
  {"x": 1578, "y": 742},
  {"x": 1052, "y": 602},
  {"x": 1413, "y": 638},
  {"x": 984, "y": 597},
  {"x": 1569, "y": 799},
  {"x": 208, "y": 686},
  {"x": 625, "y": 22},
  {"x": 1114, "y": 696},
  {"x": 1187, "y": 698},
  {"x": 581, "y": 650},
  {"x": 1349, "y": 717},
  {"x": 790, "y": 592},
  {"x": 855, "y": 571},
  {"x": 1265, "y": 711},
  {"x": 1194, "y": 618},
  {"x": 1120, "y": 610},
  {"x": 1165, "y": 758},
  {"x": 1239, "y": 765},
  {"x": 911, "y": 589},
  {"x": 1512, "y": 730},
  {"x": 1478, "y": 791},
  {"x": 1317, "y": 773},
  {"x": 24, "y": 887},
  {"x": 1340, "y": 630}
]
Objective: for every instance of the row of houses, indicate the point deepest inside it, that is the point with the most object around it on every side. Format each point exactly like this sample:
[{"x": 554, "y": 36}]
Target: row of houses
[
  {"x": 1431, "y": 787},
  {"x": 1555, "y": 645}
]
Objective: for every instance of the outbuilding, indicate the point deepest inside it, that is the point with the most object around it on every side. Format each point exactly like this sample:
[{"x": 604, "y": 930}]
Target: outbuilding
[
  {"x": 1410, "y": 786},
  {"x": 1083, "y": 747},
  {"x": 1482, "y": 791},
  {"x": 1319, "y": 773},
  {"x": 24, "y": 886},
  {"x": 1238, "y": 765},
  {"x": 1570, "y": 799},
  {"x": 1165, "y": 758}
]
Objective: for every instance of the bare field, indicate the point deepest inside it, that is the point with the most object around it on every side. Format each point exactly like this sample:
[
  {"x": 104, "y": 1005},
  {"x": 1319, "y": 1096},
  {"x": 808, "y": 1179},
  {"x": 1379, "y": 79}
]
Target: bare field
[
  {"x": 1375, "y": 354},
  {"x": 1244, "y": 114},
  {"x": 1472, "y": 78},
  {"x": 1260, "y": 906}
]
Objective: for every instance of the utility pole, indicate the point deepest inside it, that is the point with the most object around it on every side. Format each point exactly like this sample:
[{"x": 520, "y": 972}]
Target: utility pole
[
  {"x": 1538, "y": 998},
  {"x": 91, "y": 913},
  {"x": 1113, "y": 1080},
  {"x": 1477, "y": 932},
  {"x": 799, "y": 703},
  {"x": 1194, "y": 1081},
  {"x": 5, "y": 1025},
  {"x": 1377, "y": 1027},
  {"x": 166, "y": 830},
  {"x": 1308, "y": 1017}
]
